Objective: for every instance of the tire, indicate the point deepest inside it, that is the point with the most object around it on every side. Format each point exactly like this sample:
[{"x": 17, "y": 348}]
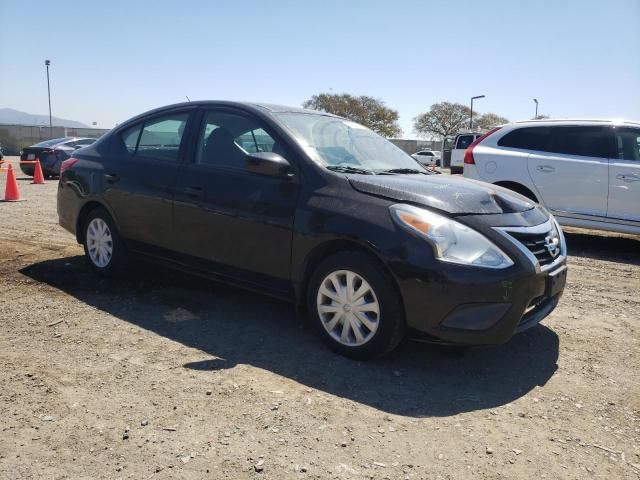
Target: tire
[
  {"x": 379, "y": 332},
  {"x": 109, "y": 257},
  {"x": 456, "y": 170}
]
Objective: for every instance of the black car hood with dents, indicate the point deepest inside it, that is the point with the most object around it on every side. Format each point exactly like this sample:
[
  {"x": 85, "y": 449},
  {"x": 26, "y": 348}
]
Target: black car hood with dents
[{"x": 456, "y": 196}]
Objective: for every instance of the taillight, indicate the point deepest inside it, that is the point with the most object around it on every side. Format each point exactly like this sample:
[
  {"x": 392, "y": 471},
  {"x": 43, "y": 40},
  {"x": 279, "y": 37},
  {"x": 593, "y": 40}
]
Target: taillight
[
  {"x": 468, "y": 153},
  {"x": 67, "y": 164}
]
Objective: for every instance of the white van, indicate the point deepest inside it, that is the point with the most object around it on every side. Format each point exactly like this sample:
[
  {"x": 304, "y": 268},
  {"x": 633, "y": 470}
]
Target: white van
[{"x": 460, "y": 144}]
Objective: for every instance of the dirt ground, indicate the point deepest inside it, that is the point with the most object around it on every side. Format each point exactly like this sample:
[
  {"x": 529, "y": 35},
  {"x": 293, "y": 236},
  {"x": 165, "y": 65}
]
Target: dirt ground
[{"x": 165, "y": 376}]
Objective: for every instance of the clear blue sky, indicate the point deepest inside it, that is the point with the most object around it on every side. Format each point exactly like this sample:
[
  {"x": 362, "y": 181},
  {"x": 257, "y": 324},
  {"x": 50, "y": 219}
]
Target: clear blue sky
[{"x": 114, "y": 59}]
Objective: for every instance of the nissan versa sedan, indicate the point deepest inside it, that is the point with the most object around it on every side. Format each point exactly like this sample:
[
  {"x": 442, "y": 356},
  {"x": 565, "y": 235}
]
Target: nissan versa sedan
[{"x": 321, "y": 211}]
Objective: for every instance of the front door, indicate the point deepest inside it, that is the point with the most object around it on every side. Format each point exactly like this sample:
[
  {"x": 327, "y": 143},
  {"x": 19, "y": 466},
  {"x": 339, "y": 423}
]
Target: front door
[
  {"x": 624, "y": 176},
  {"x": 238, "y": 223},
  {"x": 572, "y": 175}
]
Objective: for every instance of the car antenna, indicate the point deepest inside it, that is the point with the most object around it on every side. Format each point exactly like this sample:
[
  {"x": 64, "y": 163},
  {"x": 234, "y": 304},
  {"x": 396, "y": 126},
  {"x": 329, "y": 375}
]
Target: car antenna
[{"x": 188, "y": 100}]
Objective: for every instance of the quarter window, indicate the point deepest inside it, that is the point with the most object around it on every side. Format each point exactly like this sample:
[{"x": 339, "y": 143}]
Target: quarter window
[
  {"x": 226, "y": 139},
  {"x": 130, "y": 138},
  {"x": 528, "y": 138}
]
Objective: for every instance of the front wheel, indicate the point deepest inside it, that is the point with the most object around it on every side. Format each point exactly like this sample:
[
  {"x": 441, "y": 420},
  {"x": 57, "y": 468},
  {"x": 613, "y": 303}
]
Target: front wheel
[
  {"x": 104, "y": 250},
  {"x": 355, "y": 306}
]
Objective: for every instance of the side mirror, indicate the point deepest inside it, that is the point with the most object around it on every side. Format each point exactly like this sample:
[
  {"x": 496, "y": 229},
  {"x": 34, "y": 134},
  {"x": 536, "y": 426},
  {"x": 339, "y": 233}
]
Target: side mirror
[{"x": 269, "y": 164}]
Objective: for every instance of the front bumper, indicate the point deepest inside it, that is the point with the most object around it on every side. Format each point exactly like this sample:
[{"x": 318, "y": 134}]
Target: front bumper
[{"x": 456, "y": 304}]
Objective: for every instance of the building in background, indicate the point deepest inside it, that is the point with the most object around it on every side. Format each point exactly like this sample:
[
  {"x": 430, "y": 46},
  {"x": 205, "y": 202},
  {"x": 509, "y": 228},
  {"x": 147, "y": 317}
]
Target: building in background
[
  {"x": 413, "y": 146},
  {"x": 14, "y": 138}
]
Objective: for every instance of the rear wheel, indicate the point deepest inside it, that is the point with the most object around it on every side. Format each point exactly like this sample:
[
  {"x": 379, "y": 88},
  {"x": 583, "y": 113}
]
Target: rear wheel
[
  {"x": 103, "y": 247},
  {"x": 355, "y": 306}
]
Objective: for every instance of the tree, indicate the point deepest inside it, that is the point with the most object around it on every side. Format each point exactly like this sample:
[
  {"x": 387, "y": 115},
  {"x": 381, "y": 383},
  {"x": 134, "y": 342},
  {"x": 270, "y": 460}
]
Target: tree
[
  {"x": 442, "y": 120},
  {"x": 489, "y": 121},
  {"x": 368, "y": 111},
  {"x": 541, "y": 117}
]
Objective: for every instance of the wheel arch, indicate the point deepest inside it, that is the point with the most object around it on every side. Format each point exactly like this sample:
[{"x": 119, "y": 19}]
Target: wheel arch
[
  {"x": 331, "y": 247},
  {"x": 84, "y": 212},
  {"x": 518, "y": 188}
]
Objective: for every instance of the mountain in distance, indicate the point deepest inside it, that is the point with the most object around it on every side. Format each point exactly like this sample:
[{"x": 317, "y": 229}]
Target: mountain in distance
[{"x": 11, "y": 116}]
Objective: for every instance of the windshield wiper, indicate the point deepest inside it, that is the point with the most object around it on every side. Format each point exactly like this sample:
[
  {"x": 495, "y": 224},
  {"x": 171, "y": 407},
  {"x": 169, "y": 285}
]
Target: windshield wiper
[
  {"x": 403, "y": 170},
  {"x": 349, "y": 169}
]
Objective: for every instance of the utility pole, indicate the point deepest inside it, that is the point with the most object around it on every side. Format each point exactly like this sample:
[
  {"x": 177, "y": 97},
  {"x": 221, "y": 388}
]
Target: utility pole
[
  {"x": 47, "y": 63},
  {"x": 471, "y": 117}
]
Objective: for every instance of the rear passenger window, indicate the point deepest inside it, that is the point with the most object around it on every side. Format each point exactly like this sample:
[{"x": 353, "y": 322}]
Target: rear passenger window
[
  {"x": 628, "y": 144},
  {"x": 528, "y": 138},
  {"x": 161, "y": 137},
  {"x": 582, "y": 141},
  {"x": 464, "y": 141}
]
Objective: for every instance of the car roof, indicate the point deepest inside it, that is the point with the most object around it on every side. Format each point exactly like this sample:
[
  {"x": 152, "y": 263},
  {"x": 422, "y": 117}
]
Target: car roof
[
  {"x": 575, "y": 121},
  {"x": 256, "y": 106}
]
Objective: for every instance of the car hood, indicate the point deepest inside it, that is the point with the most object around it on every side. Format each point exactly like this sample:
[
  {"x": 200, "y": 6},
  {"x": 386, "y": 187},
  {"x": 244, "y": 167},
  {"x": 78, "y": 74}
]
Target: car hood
[{"x": 455, "y": 196}]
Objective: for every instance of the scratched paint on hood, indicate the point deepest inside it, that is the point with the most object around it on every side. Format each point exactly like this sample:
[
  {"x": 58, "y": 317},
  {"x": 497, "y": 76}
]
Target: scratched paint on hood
[{"x": 456, "y": 196}]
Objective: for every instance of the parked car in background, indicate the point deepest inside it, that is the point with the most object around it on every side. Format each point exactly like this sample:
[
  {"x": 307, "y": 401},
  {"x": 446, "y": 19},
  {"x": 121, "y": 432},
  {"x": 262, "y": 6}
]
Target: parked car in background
[
  {"x": 460, "y": 144},
  {"x": 428, "y": 158},
  {"x": 51, "y": 154},
  {"x": 319, "y": 210},
  {"x": 587, "y": 173}
]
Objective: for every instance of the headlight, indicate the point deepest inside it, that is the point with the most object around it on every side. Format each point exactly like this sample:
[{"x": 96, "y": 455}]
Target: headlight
[{"x": 452, "y": 241}]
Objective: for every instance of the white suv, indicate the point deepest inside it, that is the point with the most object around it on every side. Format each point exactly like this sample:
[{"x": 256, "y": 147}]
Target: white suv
[{"x": 586, "y": 172}]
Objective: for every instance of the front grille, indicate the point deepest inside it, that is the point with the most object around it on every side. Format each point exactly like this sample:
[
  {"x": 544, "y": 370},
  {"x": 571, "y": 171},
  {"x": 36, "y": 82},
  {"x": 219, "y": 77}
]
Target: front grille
[{"x": 536, "y": 244}]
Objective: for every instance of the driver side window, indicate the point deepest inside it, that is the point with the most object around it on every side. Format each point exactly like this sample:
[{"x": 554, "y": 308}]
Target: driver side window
[{"x": 225, "y": 139}]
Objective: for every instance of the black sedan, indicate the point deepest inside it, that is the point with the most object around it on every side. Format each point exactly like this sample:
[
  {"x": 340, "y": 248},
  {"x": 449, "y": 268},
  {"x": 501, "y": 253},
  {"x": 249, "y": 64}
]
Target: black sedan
[
  {"x": 51, "y": 154},
  {"x": 321, "y": 211}
]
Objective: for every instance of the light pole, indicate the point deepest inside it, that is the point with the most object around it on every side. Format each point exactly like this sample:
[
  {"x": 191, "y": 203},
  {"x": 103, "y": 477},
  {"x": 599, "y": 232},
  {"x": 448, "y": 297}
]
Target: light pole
[
  {"x": 471, "y": 117},
  {"x": 536, "y": 100},
  {"x": 47, "y": 63}
]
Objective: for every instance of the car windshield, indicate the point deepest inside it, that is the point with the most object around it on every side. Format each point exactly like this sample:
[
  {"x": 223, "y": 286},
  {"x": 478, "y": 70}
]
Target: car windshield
[
  {"x": 335, "y": 142},
  {"x": 49, "y": 143}
]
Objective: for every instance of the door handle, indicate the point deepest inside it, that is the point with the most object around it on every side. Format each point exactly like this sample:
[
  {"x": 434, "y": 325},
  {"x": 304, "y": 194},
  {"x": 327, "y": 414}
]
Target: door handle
[
  {"x": 545, "y": 168},
  {"x": 111, "y": 177},
  {"x": 629, "y": 178},
  {"x": 194, "y": 191}
]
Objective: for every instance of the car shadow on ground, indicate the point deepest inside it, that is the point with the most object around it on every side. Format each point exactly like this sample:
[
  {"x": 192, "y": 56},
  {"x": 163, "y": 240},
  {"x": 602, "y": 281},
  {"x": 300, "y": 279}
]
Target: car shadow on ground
[
  {"x": 608, "y": 247},
  {"x": 233, "y": 327}
]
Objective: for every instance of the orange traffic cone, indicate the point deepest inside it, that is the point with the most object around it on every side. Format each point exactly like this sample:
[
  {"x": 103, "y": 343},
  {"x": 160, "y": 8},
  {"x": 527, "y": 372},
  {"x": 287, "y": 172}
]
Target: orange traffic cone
[
  {"x": 11, "y": 191},
  {"x": 38, "y": 177}
]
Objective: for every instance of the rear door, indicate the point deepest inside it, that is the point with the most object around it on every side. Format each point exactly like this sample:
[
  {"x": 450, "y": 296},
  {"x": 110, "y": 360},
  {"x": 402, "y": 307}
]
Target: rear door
[
  {"x": 624, "y": 176},
  {"x": 571, "y": 173},
  {"x": 139, "y": 180}
]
